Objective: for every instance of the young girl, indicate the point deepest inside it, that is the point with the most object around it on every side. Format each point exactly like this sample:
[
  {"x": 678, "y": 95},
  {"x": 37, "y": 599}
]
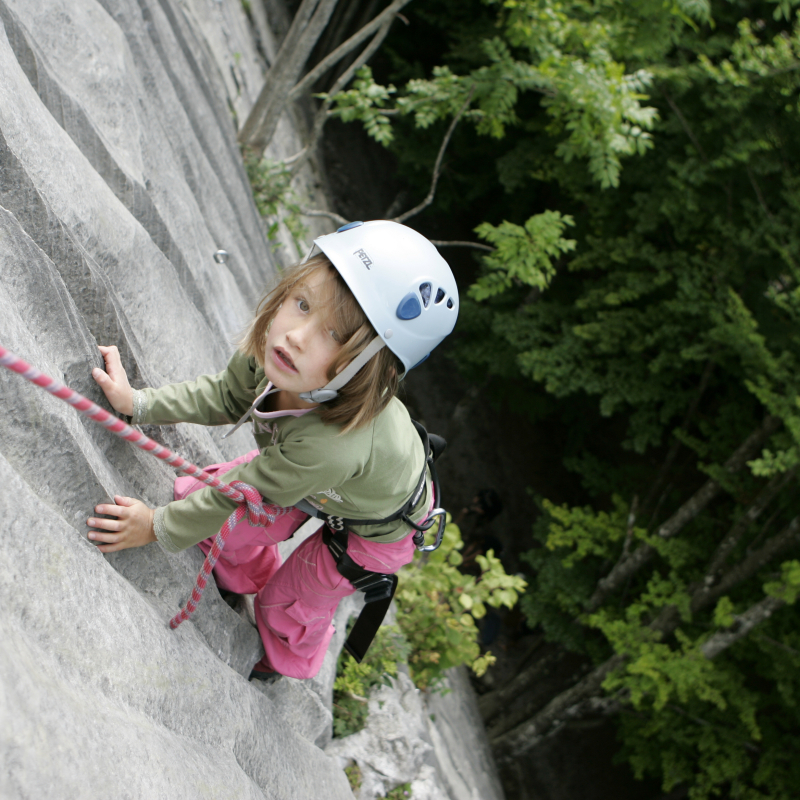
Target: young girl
[{"x": 317, "y": 370}]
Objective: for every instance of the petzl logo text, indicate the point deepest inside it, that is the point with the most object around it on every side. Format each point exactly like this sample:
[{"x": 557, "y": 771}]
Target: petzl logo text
[{"x": 367, "y": 261}]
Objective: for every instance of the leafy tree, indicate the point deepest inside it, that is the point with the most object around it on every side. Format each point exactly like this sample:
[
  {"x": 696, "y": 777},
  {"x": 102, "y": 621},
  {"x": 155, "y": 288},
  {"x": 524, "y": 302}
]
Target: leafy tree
[
  {"x": 645, "y": 274},
  {"x": 284, "y": 84}
]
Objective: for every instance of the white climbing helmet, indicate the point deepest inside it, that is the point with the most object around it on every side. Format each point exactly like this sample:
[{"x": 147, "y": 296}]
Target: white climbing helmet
[{"x": 404, "y": 286}]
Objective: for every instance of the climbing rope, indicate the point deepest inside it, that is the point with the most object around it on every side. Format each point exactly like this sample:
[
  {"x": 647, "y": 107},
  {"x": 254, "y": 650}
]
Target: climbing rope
[{"x": 249, "y": 501}]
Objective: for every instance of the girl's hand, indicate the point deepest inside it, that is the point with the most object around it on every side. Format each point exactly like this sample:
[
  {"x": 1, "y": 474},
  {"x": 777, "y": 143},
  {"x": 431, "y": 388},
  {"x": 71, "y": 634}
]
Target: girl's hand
[
  {"x": 114, "y": 381},
  {"x": 132, "y": 528}
]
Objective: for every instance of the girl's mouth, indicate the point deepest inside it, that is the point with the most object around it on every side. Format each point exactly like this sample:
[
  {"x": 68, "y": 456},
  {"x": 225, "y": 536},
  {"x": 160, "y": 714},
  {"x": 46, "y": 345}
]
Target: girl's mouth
[{"x": 283, "y": 360}]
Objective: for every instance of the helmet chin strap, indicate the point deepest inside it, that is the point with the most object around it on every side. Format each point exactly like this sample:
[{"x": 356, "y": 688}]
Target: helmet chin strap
[{"x": 331, "y": 390}]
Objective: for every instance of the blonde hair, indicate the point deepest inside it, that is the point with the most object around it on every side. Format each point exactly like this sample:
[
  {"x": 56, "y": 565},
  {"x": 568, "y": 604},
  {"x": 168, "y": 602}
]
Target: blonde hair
[{"x": 365, "y": 395}]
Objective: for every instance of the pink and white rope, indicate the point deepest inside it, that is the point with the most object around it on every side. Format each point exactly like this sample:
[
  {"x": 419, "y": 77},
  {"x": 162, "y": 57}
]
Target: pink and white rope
[{"x": 248, "y": 498}]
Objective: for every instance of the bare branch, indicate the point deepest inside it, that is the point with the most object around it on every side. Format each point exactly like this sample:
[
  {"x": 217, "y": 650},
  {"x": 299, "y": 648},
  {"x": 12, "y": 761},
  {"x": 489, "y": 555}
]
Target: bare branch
[
  {"x": 437, "y": 167},
  {"x": 313, "y": 212},
  {"x": 309, "y": 21},
  {"x": 785, "y": 540},
  {"x": 477, "y": 245},
  {"x": 743, "y": 624},
  {"x": 568, "y": 705},
  {"x": 631, "y": 523},
  {"x": 624, "y": 569},
  {"x": 322, "y": 114},
  {"x": 685, "y": 124},
  {"x": 496, "y": 703},
  {"x": 346, "y": 47},
  {"x": 761, "y": 637},
  {"x": 764, "y": 528},
  {"x": 757, "y": 190},
  {"x": 764, "y": 498}
]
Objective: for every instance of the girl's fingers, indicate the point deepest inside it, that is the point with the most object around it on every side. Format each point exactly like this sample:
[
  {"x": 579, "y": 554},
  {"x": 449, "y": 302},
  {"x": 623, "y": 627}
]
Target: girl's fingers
[
  {"x": 108, "y": 538},
  {"x": 113, "y": 362},
  {"x": 112, "y": 511},
  {"x": 113, "y": 525},
  {"x": 133, "y": 526},
  {"x": 114, "y": 381},
  {"x": 110, "y": 548}
]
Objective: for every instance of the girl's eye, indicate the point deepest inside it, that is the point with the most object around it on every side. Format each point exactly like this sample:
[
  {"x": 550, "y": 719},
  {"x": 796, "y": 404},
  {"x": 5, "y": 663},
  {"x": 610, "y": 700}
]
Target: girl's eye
[
  {"x": 335, "y": 337},
  {"x": 303, "y": 305}
]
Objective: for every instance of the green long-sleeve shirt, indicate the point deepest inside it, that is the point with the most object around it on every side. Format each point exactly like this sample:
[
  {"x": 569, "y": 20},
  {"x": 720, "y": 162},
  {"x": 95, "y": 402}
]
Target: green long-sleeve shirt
[{"x": 366, "y": 473}]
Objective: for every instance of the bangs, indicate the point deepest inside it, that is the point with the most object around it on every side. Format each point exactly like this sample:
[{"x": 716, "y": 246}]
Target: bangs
[{"x": 347, "y": 317}]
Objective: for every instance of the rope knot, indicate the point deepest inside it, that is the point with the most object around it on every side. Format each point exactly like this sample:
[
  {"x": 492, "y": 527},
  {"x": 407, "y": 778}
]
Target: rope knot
[{"x": 258, "y": 513}]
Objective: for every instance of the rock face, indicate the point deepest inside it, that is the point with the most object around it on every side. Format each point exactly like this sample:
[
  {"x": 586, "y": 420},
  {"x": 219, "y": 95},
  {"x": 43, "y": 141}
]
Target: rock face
[
  {"x": 119, "y": 179},
  {"x": 434, "y": 742}
]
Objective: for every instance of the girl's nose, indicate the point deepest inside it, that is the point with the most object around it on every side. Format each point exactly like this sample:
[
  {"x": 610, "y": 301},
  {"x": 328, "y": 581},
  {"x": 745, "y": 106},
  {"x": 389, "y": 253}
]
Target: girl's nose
[{"x": 298, "y": 335}]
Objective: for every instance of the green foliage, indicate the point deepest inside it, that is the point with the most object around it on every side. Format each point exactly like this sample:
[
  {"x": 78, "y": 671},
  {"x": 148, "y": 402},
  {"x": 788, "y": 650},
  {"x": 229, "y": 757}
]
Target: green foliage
[
  {"x": 402, "y": 792},
  {"x": 788, "y": 587},
  {"x": 438, "y": 606},
  {"x": 354, "y": 776},
  {"x": 668, "y": 324},
  {"x": 708, "y": 724},
  {"x": 354, "y": 681},
  {"x": 274, "y": 197},
  {"x": 523, "y": 254},
  {"x": 366, "y": 102},
  {"x": 558, "y": 50}
]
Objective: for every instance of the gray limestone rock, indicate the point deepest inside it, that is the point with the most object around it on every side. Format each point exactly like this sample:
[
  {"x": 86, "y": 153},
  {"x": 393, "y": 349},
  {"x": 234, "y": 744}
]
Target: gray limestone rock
[
  {"x": 391, "y": 749},
  {"x": 435, "y": 742},
  {"x": 120, "y": 177}
]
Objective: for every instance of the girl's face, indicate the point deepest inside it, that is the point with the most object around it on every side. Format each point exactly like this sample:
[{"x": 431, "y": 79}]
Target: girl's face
[{"x": 301, "y": 345}]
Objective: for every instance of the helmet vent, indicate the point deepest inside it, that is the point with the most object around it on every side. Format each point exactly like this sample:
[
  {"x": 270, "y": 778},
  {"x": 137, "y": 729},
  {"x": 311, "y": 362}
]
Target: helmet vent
[
  {"x": 449, "y": 302},
  {"x": 439, "y": 296},
  {"x": 425, "y": 293}
]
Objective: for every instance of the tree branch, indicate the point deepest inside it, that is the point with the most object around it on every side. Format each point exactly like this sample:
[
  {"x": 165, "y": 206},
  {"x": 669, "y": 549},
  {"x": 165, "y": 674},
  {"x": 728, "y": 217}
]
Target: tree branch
[
  {"x": 309, "y": 21},
  {"x": 624, "y": 569},
  {"x": 314, "y": 212},
  {"x": 783, "y": 541},
  {"x": 743, "y": 624},
  {"x": 764, "y": 498},
  {"x": 582, "y": 698},
  {"x": 496, "y": 703},
  {"x": 561, "y": 709},
  {"x": 322, "y": 114},
  {"x": 761, "y": 637},
  {"x": 477, "y": 245},
  {"x": 759, "y": 196},
  {"x": 685, "y": 124},
  {"x": 346, "y": 47},
  {"x": 437, "y": 167},
  {"x": 631, "y": 523},
  {"x": 706, "y": 724}
]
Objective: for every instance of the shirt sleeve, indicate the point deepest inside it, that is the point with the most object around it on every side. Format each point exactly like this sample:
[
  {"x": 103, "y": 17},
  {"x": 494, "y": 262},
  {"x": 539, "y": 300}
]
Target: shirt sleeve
[
  {"x": 284, "y": 474},
  {"x": 210, "y": 400}
]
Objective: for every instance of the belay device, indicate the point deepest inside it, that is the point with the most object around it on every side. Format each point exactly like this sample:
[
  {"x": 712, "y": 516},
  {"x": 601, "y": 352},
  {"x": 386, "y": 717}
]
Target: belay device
[{"x": 378, "y": 587}]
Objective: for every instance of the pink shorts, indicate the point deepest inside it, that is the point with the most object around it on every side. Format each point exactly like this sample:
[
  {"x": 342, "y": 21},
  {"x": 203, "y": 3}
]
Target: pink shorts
[{"x": 297, "y": 600}]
